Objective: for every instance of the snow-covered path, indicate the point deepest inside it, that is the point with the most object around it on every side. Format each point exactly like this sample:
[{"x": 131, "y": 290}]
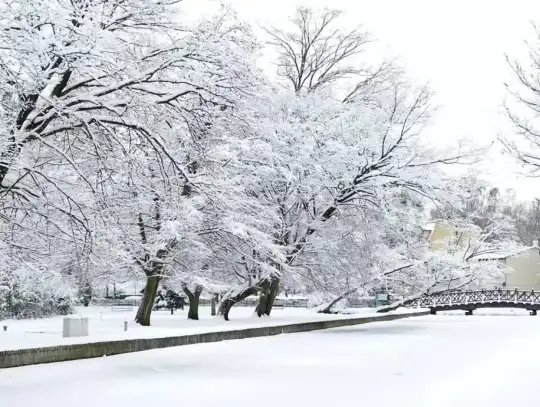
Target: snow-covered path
[
  {"x": 105, "y": 325},
  {"x": 434, "y": 361}
]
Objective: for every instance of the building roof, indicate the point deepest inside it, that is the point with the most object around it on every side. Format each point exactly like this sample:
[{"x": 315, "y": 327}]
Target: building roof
[
  {"x": 494, "y": 255},
  {"x": 503, "y": 254},
  {"x": 430, "y": 226}
]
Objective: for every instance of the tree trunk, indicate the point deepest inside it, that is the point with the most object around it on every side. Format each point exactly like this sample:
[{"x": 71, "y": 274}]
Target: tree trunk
[
  {"x": 328, "y": 308},
  {"x": 149, "y": 297},
  {"x": 268, "y": 294},
  {"x": 193, "y": 298},
  {"x": 193, "y": 312},
  {"x": 233, "y": 297},
  {"x": 395, "y": 305},
  {"x": 215, "y": 300}
]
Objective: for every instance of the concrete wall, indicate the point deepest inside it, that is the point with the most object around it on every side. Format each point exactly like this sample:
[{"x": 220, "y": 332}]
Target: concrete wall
[
  {"x": 525, "y": 274},
  {"x": 63, "y": 353}
]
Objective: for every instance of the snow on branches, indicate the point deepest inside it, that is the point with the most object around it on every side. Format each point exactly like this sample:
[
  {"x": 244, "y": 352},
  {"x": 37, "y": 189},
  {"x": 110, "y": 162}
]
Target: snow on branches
[{"x": 133, "y": 144}]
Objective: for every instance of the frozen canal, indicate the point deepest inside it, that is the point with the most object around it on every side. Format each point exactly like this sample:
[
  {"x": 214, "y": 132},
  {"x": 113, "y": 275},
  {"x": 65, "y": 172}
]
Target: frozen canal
[{"x": 433, "y": 361}]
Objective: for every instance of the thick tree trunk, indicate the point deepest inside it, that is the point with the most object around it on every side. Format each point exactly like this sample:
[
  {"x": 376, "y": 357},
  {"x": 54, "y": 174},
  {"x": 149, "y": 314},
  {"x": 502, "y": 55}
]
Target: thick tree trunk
[
  {"x": 267, "y": 296},
  {"x": 234, "y": 297},
  {"x": 327, "y": 309},
  {"x": 193, "y": 298},
  {"x": 149, "y": 297},
  {"x": 193, "y": 312}
]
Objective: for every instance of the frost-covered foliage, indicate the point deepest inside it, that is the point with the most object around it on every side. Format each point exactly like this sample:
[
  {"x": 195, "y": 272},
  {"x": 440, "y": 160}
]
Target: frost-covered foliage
[
  {"x": 120, "y": 131},
  {"x": 30, "y": 292},
  {"x": 134, "y": 145},
  {"x": 325, "y": 158}
]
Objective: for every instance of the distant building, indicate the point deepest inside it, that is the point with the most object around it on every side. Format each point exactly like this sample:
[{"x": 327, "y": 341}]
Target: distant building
[
  {"x": 523, "y": 267},
  {"x": 445, "y": 235}
]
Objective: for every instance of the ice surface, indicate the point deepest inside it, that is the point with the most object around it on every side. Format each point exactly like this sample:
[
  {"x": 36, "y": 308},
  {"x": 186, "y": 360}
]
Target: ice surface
[{"x": 433, "y": 361}]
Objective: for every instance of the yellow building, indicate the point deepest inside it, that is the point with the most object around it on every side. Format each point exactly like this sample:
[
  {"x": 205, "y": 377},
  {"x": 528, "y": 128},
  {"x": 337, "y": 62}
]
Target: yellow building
[
  {"x": 523, "y": 268},
  {"x": 445, "y": 235}
]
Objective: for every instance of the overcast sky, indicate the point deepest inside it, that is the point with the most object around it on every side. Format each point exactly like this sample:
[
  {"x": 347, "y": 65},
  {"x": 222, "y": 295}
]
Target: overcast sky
[{"x": 458, "y": 47}]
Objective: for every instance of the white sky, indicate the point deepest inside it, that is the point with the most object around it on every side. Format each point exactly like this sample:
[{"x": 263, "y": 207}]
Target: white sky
[{"x": 458, "y": 47}]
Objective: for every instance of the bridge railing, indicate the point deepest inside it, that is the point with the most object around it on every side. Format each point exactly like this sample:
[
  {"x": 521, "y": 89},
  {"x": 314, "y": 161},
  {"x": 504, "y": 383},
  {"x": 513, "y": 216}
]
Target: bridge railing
[{"x": 475, "y": 297}]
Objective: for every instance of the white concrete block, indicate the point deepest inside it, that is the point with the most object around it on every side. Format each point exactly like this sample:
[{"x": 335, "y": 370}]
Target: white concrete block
[{"x": 75, "y": 326}]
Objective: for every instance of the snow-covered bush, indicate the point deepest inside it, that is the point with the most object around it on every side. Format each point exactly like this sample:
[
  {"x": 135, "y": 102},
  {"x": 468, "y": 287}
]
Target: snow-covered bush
[{"x": 33, "y": 293}]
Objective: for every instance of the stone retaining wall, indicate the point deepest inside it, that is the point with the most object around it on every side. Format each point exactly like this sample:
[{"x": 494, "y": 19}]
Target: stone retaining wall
[{"x": 22, "y": 357}]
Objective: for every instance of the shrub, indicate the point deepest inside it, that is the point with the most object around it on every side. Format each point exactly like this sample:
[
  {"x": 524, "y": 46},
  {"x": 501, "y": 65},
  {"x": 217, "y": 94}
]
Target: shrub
[{"x": 33, "y": 293}]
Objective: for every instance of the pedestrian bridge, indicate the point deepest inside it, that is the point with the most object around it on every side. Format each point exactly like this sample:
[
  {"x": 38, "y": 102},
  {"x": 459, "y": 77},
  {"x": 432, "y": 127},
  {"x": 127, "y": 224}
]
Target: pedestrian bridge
[{"x": 472, "y": 300}]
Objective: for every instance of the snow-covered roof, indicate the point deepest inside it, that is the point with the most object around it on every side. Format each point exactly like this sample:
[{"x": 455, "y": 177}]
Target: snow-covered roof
[
  {"x": 463, "y": 227},
  {"x": 499, "y": 255},
  {"x": 494, "y": 256}
]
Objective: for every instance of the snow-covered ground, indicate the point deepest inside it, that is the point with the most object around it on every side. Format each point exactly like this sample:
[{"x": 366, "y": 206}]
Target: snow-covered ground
[
  {"x": 433, "y": 361},
  {"x": 105, "y": 324}
]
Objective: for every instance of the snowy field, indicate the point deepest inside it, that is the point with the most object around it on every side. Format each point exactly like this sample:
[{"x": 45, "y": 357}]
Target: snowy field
[
  {"x": 433, "y": 361},
  {"x": 105, "y": 324}
]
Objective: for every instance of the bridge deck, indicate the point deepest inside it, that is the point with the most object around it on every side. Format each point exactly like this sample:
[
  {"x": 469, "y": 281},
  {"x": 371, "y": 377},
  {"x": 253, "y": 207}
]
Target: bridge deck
[{"x": 471, "y": 300}]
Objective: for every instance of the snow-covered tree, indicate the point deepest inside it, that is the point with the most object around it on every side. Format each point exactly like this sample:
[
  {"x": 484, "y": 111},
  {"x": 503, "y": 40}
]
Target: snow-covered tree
[
  {"x": 126, "y": 121},
  {"x": 134, "y": 145},
  {"x": 325, "y": 155},
  {"x": 317, "y": 53},
  {"x": 455, "y": 265},
  {"x": 321, "y": 152}
]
